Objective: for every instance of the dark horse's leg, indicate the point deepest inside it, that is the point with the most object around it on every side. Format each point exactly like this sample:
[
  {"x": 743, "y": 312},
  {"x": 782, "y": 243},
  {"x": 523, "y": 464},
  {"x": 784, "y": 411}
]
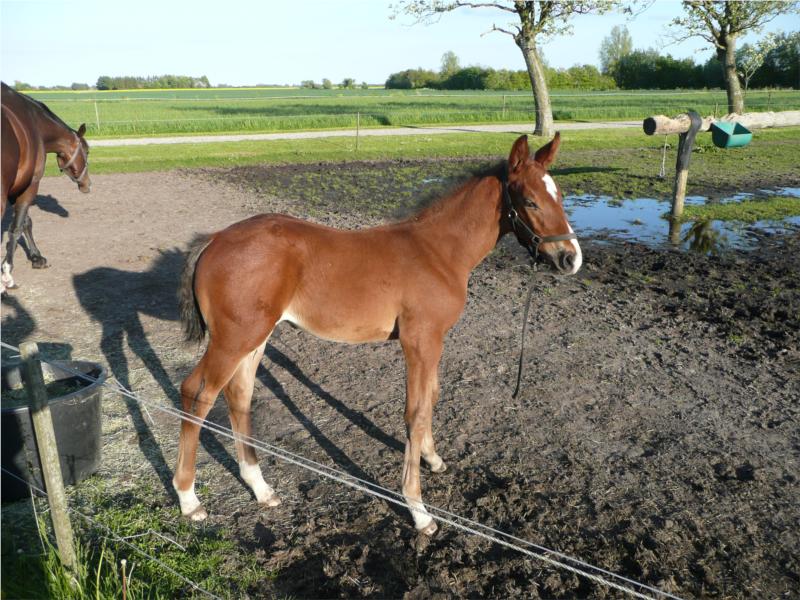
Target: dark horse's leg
[
  {"x": 37, "y": 260},
  {"x": 21, "y": 206}
]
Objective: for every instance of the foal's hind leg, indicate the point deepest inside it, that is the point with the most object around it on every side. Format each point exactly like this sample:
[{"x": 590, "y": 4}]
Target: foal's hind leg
[
  {"x": 239, "y": 394},
  {"x": 199, "y": 391}
]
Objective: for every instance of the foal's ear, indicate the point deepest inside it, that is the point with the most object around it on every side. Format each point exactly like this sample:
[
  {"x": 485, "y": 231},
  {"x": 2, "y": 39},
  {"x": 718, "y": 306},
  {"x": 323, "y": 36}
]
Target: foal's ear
[
  {"x": 519, "y": 153},
  {"x": 547, "y": 153},
  {"x": 81, "y": 129}
]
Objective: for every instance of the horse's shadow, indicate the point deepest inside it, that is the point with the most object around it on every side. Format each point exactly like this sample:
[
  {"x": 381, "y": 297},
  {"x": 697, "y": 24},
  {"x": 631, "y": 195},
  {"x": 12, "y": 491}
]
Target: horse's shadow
[
  {"x": 336, "y": 454},
  {"x": 116, "y": 299}
]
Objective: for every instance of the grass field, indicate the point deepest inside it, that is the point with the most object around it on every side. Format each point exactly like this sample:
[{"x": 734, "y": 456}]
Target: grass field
[{"x": 170, "y": 112}]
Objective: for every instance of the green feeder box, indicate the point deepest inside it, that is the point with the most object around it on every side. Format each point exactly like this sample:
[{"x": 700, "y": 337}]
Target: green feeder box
[{"x": 730, "y": 135}]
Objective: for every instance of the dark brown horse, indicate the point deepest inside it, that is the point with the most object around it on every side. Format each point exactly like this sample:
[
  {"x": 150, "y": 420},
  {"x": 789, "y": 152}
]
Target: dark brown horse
[
  {"x": 29, "y": 131},
  {"x": 405, "y": 281}
]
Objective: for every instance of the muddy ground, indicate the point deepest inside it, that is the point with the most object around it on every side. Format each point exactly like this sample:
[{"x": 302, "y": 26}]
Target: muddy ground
[{"x": 656, "y": 435}]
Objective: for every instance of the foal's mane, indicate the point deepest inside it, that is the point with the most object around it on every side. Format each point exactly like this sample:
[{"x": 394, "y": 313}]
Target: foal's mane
[{"x": 431, "y": 205}]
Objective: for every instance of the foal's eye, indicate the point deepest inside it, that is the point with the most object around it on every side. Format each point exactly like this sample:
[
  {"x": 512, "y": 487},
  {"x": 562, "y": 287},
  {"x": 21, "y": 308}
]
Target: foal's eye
[{"x": 531, "y": 204}]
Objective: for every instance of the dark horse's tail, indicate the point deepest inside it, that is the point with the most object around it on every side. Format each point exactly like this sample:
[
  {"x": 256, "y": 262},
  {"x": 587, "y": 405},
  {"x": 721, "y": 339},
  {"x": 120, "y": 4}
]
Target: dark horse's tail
[{"x": 191, "y": 317}]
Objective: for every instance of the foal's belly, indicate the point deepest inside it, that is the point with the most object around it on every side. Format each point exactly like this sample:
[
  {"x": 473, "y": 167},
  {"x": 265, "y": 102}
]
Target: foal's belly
[{"x": 343, "y": 324}]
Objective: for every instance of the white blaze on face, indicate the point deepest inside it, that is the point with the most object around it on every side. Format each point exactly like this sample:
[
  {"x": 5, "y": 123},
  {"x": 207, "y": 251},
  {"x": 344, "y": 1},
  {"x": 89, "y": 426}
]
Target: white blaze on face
[
  {"x": 553, "y": 191},
  {"x": 551, "y": 186},
  {"x": 578, "y": 255}
]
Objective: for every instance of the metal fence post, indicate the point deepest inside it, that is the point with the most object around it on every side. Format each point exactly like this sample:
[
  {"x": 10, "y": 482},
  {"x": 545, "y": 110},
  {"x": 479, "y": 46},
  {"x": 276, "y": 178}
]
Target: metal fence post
[{"x": 48, "y": 452}]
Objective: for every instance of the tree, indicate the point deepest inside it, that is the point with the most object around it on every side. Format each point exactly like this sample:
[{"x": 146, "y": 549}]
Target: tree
[
  {"x": 348, "y": 83},
  {"x": 450, "y": 64},
  {"x": 751, "y": 56},
  {"x": 326, "y": 84},
  {"x": 615, "y": 46},
  {"x": 534, "y": 22},
  {"x": 721, "y": 23}
]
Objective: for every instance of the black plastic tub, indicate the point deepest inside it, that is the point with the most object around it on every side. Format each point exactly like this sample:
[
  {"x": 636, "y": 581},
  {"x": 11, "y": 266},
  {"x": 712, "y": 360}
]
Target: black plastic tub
[{"x": 76, "y": 421}]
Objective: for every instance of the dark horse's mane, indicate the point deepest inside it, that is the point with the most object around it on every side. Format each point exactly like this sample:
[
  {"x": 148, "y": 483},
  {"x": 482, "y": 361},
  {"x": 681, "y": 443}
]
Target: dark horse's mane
[
  {"x": 42, "y": 106},
  {"x": 50, "y": 113}
]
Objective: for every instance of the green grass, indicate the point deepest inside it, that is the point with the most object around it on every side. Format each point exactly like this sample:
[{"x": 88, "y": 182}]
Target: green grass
[
  {"x": 746, "y": 211},
  {"x": 171, "y": 112},
  {"x": 622, "y": 163},
  {"x": 31, "y": 567}
]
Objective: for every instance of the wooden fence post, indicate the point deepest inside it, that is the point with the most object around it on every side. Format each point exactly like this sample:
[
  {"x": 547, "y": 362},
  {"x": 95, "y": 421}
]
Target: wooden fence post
[
  {"x": 48, "y": 452},
  {"x": 358, "y": 127},
  {"x": 97, "y": 116},
  {"x": 685, "y": 146}
]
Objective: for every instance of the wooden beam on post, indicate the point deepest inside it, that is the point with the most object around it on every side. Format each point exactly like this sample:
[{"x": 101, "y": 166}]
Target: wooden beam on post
[
  {"x": 662, "y": 125},
  {"x": 48, "y": 452}
]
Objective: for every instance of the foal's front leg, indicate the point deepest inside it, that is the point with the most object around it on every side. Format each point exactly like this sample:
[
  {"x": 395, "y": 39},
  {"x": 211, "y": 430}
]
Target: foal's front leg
[{"x": 422, "y": 363}]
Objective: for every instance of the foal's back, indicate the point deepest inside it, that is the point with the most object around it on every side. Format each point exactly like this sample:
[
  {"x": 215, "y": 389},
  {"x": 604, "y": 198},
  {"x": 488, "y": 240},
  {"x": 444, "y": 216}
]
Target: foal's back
[{"x": 342, "y": 285}]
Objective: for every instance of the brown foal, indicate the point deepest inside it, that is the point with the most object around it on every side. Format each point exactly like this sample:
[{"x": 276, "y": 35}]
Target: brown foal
[{"x": 405, "y": 281}]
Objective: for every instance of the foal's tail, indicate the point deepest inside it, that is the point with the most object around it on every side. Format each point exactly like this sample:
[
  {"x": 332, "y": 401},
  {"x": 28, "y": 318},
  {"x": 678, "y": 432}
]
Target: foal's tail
[{"x": 192, "y": 319}]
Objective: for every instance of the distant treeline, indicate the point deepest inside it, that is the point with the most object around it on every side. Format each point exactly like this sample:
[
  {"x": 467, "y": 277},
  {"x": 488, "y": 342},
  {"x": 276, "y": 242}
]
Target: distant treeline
[
  {"x": 481, "y": 78},
  {"x": 158, "y": 82},
  {"x": 639, "y": 69}
]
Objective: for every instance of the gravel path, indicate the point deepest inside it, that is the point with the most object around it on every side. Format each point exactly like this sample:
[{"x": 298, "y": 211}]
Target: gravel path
[{"x": 296, "y": 135}]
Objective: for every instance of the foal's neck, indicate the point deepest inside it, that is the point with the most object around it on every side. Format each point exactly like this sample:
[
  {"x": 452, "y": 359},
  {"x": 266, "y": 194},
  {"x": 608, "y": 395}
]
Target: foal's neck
[{"x": 465, "y": 226}]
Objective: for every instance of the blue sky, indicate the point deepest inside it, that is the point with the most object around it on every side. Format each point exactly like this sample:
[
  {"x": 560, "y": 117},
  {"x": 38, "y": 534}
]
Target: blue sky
[{"x": 50, "y": 42}]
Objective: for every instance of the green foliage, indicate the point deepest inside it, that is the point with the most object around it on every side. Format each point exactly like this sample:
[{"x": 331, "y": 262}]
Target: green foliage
[
  {"x": 450, "y": 64},
  {"x": 647, "y": 69},
  {"x": 160, "y": 82},
  {"x": 613, "y": 48},
  {"x": 412, "y": 79},
  {"x": 585, "y": 77},
  {"x": 348, "y": 83},
  {"x": 326, "y": 84},
  {"x": 781, "y": 64}
]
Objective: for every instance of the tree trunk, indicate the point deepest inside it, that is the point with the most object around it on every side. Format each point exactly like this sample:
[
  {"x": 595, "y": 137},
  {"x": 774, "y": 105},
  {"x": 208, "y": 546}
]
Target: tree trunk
[
  {"x": 541, "y": 95},
  {"x": 727, "y": 57}
]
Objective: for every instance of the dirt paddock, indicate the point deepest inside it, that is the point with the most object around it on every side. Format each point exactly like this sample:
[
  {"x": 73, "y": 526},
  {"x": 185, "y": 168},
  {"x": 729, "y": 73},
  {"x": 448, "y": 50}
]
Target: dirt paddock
[{"x": 657, "y": 433}]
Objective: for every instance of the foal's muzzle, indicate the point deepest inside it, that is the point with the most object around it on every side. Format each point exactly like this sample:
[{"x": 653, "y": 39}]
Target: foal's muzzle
[{"x": 566, "y": 261}]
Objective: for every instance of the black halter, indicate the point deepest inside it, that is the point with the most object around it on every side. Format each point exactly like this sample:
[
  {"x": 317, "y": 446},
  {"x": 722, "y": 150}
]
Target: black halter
[
  {"x": 534, "y": 239},
  {"x": 532, "y": 246}
]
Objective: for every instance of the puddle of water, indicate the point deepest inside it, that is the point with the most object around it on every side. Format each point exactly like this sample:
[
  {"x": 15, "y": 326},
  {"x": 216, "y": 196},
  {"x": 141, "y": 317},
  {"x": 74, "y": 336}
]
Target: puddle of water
[{"x": 642, "y": 220}]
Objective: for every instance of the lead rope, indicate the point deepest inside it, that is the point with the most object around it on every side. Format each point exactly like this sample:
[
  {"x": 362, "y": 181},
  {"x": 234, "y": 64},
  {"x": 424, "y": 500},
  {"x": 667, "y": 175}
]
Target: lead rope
[
  {"x": 524, "y": 331},
  {"x": 662, "y": 172}
]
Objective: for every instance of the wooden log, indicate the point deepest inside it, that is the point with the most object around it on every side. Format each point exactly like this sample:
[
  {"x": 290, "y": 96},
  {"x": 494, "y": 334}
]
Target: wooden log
[
  {"x": 48, "y": 453},
  {"x": 662, "y": 125}
]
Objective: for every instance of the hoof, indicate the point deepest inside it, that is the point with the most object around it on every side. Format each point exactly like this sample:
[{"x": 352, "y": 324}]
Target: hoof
[
  {"x": 39, "y": 263},
  {"x": 197, "y": 515},
  {"x": 271, "y": 502},
  {"x": 440, "y": 468},
  {"x": 429, "y": 529}
]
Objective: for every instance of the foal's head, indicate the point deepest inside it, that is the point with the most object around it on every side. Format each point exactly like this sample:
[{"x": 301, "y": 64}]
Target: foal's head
[
  {"x": 75, "y": 160},
  {"x": 536, "y": 198}
]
